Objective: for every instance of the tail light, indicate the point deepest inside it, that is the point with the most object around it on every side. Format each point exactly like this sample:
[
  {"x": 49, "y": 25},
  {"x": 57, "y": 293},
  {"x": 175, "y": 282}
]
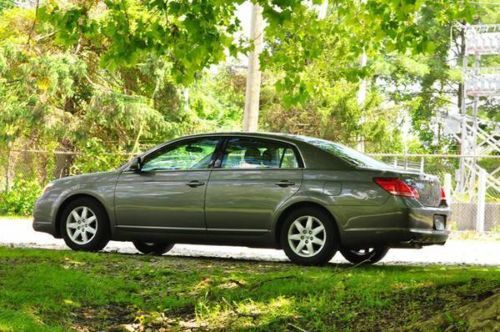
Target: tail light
[
  {"x": 443, "y": 197},
  {"x": 397, "y": 187}
]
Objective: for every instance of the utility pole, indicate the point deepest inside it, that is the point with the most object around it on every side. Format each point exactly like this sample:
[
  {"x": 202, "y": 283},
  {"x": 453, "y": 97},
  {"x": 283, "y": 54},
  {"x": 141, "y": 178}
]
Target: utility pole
[
  {"x": 323, "y": 10},
  {"x": 361, "y": 97},
  {"x": 252, "y": 94},
  {"x": 360, "y": 144}
]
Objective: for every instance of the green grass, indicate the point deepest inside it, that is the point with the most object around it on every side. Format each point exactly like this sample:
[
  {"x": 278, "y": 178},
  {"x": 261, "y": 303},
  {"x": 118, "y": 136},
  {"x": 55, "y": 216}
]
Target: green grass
[{"x": 43, "y": 290}]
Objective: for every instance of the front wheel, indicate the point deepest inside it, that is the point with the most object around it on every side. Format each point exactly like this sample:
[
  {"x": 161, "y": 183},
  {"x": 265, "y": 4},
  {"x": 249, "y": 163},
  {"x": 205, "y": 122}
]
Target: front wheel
[
  {"x": 364, "y": 255},
  {"x": 84, "y": 225},
  {"x": 308, "y": 236},
  {"x": 153, "y": 248}
]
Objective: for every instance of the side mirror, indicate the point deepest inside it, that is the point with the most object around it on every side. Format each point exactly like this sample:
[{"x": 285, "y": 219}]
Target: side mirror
[{"x": 135, "y": 164}]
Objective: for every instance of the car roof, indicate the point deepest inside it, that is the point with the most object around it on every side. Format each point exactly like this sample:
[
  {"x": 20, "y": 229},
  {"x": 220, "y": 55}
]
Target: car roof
[{"x": 281, "y": 136}]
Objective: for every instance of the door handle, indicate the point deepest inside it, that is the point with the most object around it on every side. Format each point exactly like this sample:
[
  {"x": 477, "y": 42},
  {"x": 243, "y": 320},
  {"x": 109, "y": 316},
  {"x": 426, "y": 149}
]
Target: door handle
[
  {"x": 195, "y": 183},
  {"x": 284, "y": 183}
]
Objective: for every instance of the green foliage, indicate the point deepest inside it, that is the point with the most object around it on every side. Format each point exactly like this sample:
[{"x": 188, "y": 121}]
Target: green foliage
[
  {"x": 217, "y": 100},
  {"x": 94, "y": 157},
  {"x": 314, "y": 69},
  {"x": 20, "y": 199},
  {"x": 115, "y": 72},
  {"x": 5, "y": 4},
  {"x": 57, "y": 97},
  {"x": 191, "y": 35},
  {"x": 377, "y": 28},
  {"x": 333, "y": 114},
  {"x": 105, "y": 78}
]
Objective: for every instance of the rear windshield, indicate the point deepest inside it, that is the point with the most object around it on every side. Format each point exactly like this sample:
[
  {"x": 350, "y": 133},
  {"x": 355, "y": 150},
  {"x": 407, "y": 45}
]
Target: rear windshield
[{"x": 351, "y": 156}]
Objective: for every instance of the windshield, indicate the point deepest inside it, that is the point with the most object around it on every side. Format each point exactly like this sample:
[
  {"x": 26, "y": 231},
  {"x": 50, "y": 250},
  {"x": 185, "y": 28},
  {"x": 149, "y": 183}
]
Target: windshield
[{"x": 345, "y": 153}]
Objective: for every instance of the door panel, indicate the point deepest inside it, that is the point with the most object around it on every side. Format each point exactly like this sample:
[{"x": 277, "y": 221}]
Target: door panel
[
  {"x": 255, "y": 176},
  {"x": 169, "y": 190},
  {"x": 245, "y": 199},
  {"x": 161, "y": 199}
]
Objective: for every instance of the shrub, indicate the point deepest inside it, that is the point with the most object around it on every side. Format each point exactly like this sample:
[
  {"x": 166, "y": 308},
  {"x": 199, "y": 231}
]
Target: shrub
[{"x": 20, "y": 198}]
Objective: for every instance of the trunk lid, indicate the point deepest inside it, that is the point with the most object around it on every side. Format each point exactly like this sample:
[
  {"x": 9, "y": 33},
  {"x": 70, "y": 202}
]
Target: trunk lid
[{"x": 427, "y": 187}]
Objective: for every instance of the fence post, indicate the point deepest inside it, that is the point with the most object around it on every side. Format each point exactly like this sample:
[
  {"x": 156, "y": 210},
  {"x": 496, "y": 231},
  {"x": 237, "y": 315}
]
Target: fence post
[
  {"x": 481, "y": 198},
  {"x": 421, "y": 164},
  {"x": 447, "y": 187}
]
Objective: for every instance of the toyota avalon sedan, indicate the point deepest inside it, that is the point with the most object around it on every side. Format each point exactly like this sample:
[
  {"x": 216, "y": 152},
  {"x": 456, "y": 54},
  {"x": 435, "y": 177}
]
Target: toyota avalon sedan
[{"x": 307, "y": 196}]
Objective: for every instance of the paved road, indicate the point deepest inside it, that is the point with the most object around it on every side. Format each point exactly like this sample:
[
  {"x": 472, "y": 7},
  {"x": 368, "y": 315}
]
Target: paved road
[{"x": 18, "y": 233}]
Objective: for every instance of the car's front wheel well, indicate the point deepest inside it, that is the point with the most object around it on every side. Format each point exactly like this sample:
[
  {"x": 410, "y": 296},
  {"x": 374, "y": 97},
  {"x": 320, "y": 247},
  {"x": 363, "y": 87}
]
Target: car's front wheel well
[
  {"x": 299, "y": 205},
  {"x": 65, "y": 203}
]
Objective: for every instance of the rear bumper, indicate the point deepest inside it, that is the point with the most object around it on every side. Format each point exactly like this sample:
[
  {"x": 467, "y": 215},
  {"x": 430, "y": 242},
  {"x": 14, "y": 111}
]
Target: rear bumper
[
  {"x": 394, "y": 237},
  {"x": 422, "y": 227},
  {"x": 415, "y": 238},
  {"x": 422, "y": 218},
  {"x": 414, "y": 228}
]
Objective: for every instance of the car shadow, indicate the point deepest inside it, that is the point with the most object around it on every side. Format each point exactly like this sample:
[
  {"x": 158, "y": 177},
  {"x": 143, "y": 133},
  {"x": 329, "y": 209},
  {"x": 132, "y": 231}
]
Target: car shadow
[{"x": 229, "y": 259}]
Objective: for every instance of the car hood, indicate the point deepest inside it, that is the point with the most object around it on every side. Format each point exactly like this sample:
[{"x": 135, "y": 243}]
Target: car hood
[{"x": 85, "y": 178}]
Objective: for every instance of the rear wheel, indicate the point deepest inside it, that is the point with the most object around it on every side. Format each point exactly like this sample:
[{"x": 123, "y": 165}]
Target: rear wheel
[
  {"x": 364, "y": 255},
  {"x": 84, "y": 225},
  {"x": 308, "y": 236},
  {"x": 153, "y": 248}
]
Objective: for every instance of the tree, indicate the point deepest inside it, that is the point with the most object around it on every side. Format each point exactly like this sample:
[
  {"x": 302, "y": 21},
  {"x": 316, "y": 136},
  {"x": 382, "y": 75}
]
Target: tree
[
  {"x": 194, "y": 35},
  {"x": 102, "y": 77},
  {"x": 56, "y": 98},
  {"x": 316, "y": 73}
]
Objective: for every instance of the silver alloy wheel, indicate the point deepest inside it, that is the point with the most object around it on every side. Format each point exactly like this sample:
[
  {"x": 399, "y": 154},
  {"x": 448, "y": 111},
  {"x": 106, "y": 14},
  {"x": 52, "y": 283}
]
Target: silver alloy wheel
[
  {"x": 81, "y": 225},
  {"x": 307, "y": 236}
]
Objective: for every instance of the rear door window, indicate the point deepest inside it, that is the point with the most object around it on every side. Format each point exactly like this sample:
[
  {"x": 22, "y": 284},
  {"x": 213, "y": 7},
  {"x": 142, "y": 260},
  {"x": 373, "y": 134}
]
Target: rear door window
[{"x": 248, "y": 153}]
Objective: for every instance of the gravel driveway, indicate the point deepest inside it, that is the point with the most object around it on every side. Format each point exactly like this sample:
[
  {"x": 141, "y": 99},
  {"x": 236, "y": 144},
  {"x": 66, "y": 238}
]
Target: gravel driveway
[{"x": 18, "y": 233}]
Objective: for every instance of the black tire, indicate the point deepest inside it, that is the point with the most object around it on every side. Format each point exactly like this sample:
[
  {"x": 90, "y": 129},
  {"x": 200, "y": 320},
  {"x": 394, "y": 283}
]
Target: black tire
[
  {"x": 153, "y": 248},
  {"x": 330, "y": 237},
  {"x": 364, "y": 256},
  {"x": 102, "y": 234}
]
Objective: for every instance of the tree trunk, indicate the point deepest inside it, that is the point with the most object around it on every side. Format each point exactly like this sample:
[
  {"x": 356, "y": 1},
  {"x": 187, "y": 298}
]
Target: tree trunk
[{"x": 252, "y": 95}]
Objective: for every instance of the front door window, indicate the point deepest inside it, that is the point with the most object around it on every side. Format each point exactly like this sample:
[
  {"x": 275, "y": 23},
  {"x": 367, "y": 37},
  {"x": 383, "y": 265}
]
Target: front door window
[{"x": 194, "y": 154}]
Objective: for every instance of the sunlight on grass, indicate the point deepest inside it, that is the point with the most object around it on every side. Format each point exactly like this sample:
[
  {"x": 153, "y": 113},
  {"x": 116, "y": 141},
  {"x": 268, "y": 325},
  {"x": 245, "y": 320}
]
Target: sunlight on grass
[
  {"x": 247, "y": 313},
  {"x": 59, "y": 290}
]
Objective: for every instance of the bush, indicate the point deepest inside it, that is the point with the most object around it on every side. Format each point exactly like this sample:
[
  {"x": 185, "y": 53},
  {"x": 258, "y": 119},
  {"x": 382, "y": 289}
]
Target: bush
[{"x": 20, "y": 199}]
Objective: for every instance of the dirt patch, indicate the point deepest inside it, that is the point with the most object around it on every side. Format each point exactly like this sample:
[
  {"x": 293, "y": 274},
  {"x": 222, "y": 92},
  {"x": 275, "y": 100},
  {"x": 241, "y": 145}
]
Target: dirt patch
[
  {"x": 440, "y": 308},
  {"x": 90, "y": 319},
  {"x": 477, "y": 316},
  {"x": 117, "y": 318}
]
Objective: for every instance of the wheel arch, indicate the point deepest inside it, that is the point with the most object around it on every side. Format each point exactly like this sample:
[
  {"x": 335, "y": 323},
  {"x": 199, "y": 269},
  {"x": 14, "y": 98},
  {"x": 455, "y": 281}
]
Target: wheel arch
[
  {"x": 70, "y": 199},
  {"x": 283, "y": 215}
]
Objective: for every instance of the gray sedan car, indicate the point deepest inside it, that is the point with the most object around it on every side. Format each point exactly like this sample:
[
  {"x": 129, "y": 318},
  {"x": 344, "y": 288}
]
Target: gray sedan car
[{"x": 307, "y": 196}]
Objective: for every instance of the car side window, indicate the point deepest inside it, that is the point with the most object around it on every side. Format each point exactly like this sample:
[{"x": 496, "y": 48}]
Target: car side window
[
  {"x": 193, "y": 154},
  {"x": 258, "y": 153}
]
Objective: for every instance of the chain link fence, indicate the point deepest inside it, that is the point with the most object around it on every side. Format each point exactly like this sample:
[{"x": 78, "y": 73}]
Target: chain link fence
[{"x": 40, "y": 166}]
